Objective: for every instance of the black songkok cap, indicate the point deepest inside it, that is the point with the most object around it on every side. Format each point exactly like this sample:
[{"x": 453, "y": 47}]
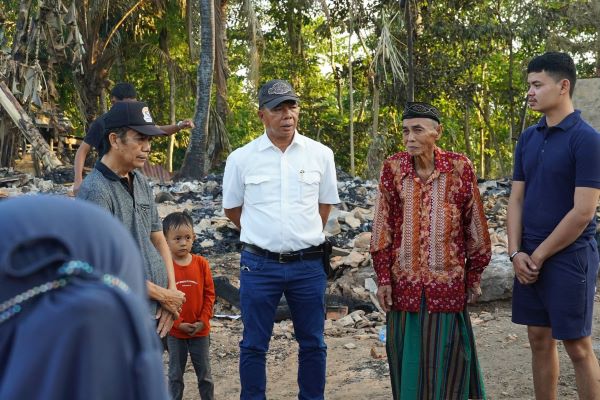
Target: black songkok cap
[{"x": 415, "y": 109}]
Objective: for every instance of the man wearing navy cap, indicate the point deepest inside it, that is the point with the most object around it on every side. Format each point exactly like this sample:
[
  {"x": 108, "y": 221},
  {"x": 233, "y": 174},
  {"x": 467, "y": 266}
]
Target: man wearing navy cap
[
  {"x": 115, "y": 185},
  {"x": 278, "y": 189}
]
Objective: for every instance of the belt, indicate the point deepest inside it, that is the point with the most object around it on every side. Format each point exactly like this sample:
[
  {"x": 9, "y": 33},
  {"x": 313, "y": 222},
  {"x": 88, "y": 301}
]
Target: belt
[{"x": 308, "y": 253}]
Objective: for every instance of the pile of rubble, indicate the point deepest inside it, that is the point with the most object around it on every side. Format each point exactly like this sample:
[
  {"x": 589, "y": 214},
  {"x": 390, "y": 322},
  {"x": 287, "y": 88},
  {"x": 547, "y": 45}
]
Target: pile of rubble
[
  {"x": 14, "y": 183},
  {"x": 348, "y": 227}
]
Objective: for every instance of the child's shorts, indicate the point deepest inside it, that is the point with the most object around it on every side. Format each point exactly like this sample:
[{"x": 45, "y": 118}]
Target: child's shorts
[{"x": 563, "y": 296}]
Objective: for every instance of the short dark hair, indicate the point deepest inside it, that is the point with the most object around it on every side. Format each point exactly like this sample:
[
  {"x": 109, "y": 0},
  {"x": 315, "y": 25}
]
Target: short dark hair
[
  {"x": 556, "y": 64},
  {"x": 175, "y": 220},
  {"x": 123, "y": 90},
  {"x": 105, "y": 143}
]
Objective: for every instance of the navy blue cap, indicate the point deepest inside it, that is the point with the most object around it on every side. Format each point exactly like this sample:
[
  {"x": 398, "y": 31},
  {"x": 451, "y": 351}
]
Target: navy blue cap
[{"x": 275, "y": 92}]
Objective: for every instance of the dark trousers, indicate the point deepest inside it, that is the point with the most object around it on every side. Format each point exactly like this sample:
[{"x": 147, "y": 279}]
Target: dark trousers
[
  {"x": 262, "y": 282},
  {"x": 198, "y": 348}
]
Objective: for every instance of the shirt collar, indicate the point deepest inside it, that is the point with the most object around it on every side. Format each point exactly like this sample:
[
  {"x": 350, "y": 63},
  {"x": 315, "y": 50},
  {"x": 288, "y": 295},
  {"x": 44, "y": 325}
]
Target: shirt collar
[
  {"x": 441, "y": 162},
  {"x": 264, "y": 142},
  {"x": 107, "y": 172},
  {"x": 567, "y": 123},
  {"x": 112, "y": 176}
]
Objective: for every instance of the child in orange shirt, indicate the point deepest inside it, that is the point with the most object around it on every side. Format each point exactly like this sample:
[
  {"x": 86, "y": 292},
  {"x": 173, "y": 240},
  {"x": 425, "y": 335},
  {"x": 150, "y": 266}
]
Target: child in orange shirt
[{"x": 190, "y": 333}]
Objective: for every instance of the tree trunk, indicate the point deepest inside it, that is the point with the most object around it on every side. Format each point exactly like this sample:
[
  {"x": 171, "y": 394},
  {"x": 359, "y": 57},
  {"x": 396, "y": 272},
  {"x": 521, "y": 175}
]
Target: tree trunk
[
  {"x": 511, "y": 104},
  {"x": 351, "y": 89},
  {"x": 195, "y": 162},
  {"x": 22, "y": 121},
  {"x": 189, "y": 27},
  {"x": 221, "y": 64},
  {"x": 163, "y": 42},
  {"x": 376, "y": 151},
  {"x": 410, "y": 84},
  {"x": 467, "y": 128},
  {"x": 334, "y": 70}
]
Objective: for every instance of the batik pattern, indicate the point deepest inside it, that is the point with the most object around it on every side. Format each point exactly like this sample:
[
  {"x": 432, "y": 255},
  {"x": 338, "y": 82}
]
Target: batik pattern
[{"x": 430, "y": 236}]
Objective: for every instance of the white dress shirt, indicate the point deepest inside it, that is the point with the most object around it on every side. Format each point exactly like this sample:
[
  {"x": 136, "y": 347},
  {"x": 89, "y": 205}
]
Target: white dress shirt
[{"x": 280, "y": 192}]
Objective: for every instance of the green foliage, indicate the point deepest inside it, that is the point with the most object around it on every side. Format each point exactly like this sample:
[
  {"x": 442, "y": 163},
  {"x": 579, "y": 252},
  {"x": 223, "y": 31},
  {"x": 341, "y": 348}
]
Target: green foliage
[{"x": 468, "y": 56}]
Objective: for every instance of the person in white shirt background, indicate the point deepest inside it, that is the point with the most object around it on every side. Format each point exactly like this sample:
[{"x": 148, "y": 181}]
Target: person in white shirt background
[{"x": 278, "y": 190}]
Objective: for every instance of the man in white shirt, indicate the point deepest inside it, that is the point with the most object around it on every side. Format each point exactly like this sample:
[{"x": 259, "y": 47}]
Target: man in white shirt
[{"x": 279, "y": 190}]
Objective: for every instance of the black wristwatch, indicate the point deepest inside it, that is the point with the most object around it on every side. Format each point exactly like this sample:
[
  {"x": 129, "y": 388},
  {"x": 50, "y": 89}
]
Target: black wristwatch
[{"x": 512, "y": 256}]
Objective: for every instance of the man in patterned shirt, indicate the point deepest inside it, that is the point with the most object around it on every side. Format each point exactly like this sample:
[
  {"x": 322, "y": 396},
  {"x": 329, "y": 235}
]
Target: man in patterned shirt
[{"x": 430, "y": 245}]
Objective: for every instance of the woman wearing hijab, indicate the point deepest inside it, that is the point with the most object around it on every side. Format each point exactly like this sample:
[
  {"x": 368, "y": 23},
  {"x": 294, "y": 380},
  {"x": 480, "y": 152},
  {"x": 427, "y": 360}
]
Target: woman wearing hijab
[{"x": 73, "y": 315}]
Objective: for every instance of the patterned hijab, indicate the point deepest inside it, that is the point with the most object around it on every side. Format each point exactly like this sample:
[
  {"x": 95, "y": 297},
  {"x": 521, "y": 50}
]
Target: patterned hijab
[{"x": 73, "y": 315}]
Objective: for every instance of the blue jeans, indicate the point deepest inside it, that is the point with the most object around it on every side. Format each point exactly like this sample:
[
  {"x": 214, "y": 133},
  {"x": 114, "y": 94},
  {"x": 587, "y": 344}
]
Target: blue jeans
[
  {"x": 198, "y": 347},
  {"x": 262, "y": 282}
]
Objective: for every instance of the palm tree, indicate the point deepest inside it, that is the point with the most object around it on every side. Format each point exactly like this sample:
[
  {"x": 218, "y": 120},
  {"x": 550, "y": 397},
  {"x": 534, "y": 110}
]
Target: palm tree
[{"x": 195, "y": 163}]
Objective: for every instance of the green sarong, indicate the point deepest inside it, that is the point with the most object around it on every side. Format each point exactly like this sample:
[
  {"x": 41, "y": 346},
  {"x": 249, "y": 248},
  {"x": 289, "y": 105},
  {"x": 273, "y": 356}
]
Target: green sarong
[{"x": 432, "y": 356}]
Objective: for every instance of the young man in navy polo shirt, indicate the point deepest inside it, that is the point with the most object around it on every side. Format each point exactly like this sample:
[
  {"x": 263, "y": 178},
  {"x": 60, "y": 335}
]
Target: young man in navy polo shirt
[{"x": 551, "y": 227}]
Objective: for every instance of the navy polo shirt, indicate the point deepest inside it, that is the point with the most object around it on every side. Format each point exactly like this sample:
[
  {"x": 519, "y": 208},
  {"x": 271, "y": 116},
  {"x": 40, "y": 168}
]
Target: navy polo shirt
[{"x": 553, "y": 161}]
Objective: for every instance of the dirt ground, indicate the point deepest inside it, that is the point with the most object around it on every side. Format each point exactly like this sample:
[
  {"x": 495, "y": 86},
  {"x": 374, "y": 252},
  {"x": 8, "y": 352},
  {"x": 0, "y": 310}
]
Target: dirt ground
[{"x": 354, "y": 373}]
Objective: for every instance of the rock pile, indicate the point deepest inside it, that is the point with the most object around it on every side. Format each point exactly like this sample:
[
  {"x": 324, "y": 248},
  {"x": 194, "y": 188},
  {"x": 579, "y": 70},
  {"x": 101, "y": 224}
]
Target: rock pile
[{"x": 348, "y": 226}]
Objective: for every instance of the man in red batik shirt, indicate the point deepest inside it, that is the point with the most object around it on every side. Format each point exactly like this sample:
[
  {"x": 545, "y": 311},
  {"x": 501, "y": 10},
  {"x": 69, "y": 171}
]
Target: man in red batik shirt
[{"x": 430, "y": 245}]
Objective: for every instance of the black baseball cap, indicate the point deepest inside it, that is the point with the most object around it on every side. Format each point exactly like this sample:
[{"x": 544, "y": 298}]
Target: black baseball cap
[
  {"x": 123, "y": 90},
  {"x": 275, "y": 92},
  {"x": 131, "y": 114}
]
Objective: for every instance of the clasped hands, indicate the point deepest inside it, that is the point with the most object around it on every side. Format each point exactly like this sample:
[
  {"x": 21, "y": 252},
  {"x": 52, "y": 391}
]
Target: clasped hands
[
  {"x": 191, "y": 329},
  {"x": 527, "y": 268},
  {"x": 170, "y": 306}
]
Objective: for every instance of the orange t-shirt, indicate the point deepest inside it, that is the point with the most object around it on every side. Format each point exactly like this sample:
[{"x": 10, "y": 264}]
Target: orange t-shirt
[{"x": 195, "y": 280}]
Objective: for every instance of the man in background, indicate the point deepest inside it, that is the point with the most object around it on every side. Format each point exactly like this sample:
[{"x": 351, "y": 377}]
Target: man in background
[{"x": 93, "y": 138}]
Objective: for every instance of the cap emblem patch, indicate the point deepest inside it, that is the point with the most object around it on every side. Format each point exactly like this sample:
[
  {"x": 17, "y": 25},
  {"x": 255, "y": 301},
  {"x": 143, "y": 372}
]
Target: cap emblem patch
[
  {"x": 146, "y": 114},
  {"x": 279, "y": 88}
]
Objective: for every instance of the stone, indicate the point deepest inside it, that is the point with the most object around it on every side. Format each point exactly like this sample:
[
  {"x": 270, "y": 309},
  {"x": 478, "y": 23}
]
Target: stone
[
  {"x": 201, "y": 226},
  {"x": 210, "y": 187},
  {"x": 333, "y": 226},
  {"x": 370, "y": 285},
  {"x": 338, "y": 251},
  {"x": 361, "y": 214},
  {"x": 346, "y": 321},
  {"x": 354, "y": 259},
  {"x": 350, "y": 346},
  {"x": 352, "y": 221},
  {"x": 362, "y": 240},
  {"x": 207, "y": 243},
  {"x": 336, "y": 261},
  {"x": 497, "y": 279},
  {"x": 357, "y": 315},
  {"x": 162, "y": 197}
]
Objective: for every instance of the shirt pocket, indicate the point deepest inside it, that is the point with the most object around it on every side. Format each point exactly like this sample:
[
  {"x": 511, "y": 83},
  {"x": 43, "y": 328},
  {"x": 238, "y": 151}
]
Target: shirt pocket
[
  {"x": 308, "y": 186},
  {"x": 143, "y": 211},
  {"x": 259, "y": 189}
]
